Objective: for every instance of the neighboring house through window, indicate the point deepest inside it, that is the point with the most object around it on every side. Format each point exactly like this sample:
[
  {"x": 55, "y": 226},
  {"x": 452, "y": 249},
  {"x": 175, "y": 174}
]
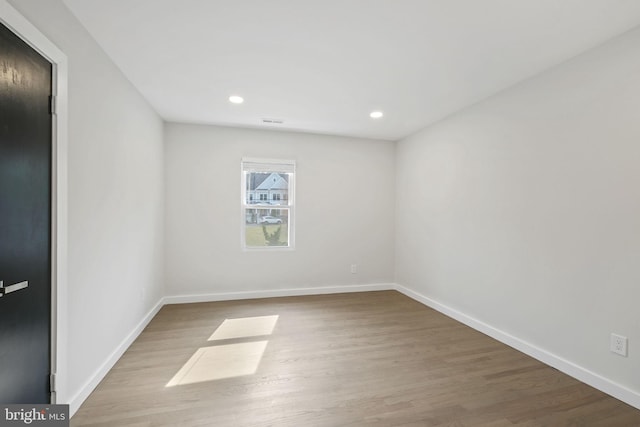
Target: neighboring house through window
[{"x": 268, "y": 203}]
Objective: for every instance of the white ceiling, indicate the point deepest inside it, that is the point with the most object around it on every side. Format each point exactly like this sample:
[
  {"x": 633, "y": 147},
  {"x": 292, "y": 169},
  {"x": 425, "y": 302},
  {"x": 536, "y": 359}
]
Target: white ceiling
[{"x": 323, "y": 66}]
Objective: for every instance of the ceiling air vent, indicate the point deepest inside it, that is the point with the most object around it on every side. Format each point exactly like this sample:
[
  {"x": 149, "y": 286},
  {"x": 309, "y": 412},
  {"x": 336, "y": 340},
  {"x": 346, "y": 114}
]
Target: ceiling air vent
[{"x": 272, "y": 121}]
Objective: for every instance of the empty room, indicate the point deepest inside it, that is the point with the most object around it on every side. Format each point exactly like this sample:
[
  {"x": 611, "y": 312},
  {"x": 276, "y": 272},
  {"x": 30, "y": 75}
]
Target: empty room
[{"x": 320, "y": 213}]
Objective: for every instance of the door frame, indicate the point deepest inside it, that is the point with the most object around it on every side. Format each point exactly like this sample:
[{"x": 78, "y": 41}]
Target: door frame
[{"x": 17, "y": 23}]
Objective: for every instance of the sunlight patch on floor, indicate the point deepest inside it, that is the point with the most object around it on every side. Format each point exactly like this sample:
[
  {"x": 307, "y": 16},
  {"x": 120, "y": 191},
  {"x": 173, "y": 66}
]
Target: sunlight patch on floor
[
  {"x": 222, "y": 361},
  {"x": 228, "y": 360},
  {"x": 245, "y": 327}
]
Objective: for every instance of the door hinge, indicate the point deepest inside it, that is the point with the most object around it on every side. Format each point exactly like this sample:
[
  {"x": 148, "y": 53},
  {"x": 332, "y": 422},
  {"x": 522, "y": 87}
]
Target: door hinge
[
  {"x": 52, "y": 383},
  {"x": 53, "y": 104}
]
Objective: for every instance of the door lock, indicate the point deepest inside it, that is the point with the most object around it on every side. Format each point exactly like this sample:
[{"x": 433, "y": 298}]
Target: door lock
[{"x": 12, "y": 288}]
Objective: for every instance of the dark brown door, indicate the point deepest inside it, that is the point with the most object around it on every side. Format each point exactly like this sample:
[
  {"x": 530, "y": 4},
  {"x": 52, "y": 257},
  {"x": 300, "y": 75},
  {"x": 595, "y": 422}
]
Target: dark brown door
[{"x": 25, "y": 222}]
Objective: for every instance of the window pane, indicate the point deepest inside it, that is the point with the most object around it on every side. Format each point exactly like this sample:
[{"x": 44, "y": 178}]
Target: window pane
[
  {"x": 271, "y": 188},
  {"x": 266, "y": 227}
]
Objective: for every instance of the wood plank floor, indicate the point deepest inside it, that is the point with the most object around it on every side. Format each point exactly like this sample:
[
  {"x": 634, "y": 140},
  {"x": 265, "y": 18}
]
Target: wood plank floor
[{"x": 376, "y": 358}]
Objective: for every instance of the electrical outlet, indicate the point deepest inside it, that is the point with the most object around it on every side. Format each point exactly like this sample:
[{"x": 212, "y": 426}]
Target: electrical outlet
[
  {"x": 354, "y": 268},
  {"x": 619, "y": 344}
]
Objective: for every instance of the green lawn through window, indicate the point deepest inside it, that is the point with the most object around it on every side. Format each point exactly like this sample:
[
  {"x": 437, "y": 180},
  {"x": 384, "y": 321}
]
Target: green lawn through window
[{"x": 255, "y": 237}]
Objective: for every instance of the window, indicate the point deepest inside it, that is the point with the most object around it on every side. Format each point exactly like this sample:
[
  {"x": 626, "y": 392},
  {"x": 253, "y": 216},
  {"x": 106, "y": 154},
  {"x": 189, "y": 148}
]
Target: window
[{"x": 268, "y": 203}]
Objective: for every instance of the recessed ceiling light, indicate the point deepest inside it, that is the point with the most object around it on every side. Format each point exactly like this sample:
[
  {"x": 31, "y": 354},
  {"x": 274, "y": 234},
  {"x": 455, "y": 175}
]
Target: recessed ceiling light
[
  {"x": 376, "y": 114},
  {"x": 235, "y": 99}
]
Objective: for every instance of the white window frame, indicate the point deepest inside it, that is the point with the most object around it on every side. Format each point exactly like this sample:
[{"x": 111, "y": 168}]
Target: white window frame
[{"x": 251, "y": 164}]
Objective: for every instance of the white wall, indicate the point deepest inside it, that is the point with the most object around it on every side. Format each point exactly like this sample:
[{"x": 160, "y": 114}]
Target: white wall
[
  {"x": 523, "y": 211},
  {"x": 115, "y": 167},
  {"x": 344, "y": 211}
]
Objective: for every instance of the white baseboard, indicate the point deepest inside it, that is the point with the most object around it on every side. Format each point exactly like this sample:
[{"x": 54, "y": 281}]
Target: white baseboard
[
  {"x": 607, "y": 386},
  {"x": 102, "y": 371},
  {"x": 593, "y": 379},
  {"x": 230, "y": 296}
]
